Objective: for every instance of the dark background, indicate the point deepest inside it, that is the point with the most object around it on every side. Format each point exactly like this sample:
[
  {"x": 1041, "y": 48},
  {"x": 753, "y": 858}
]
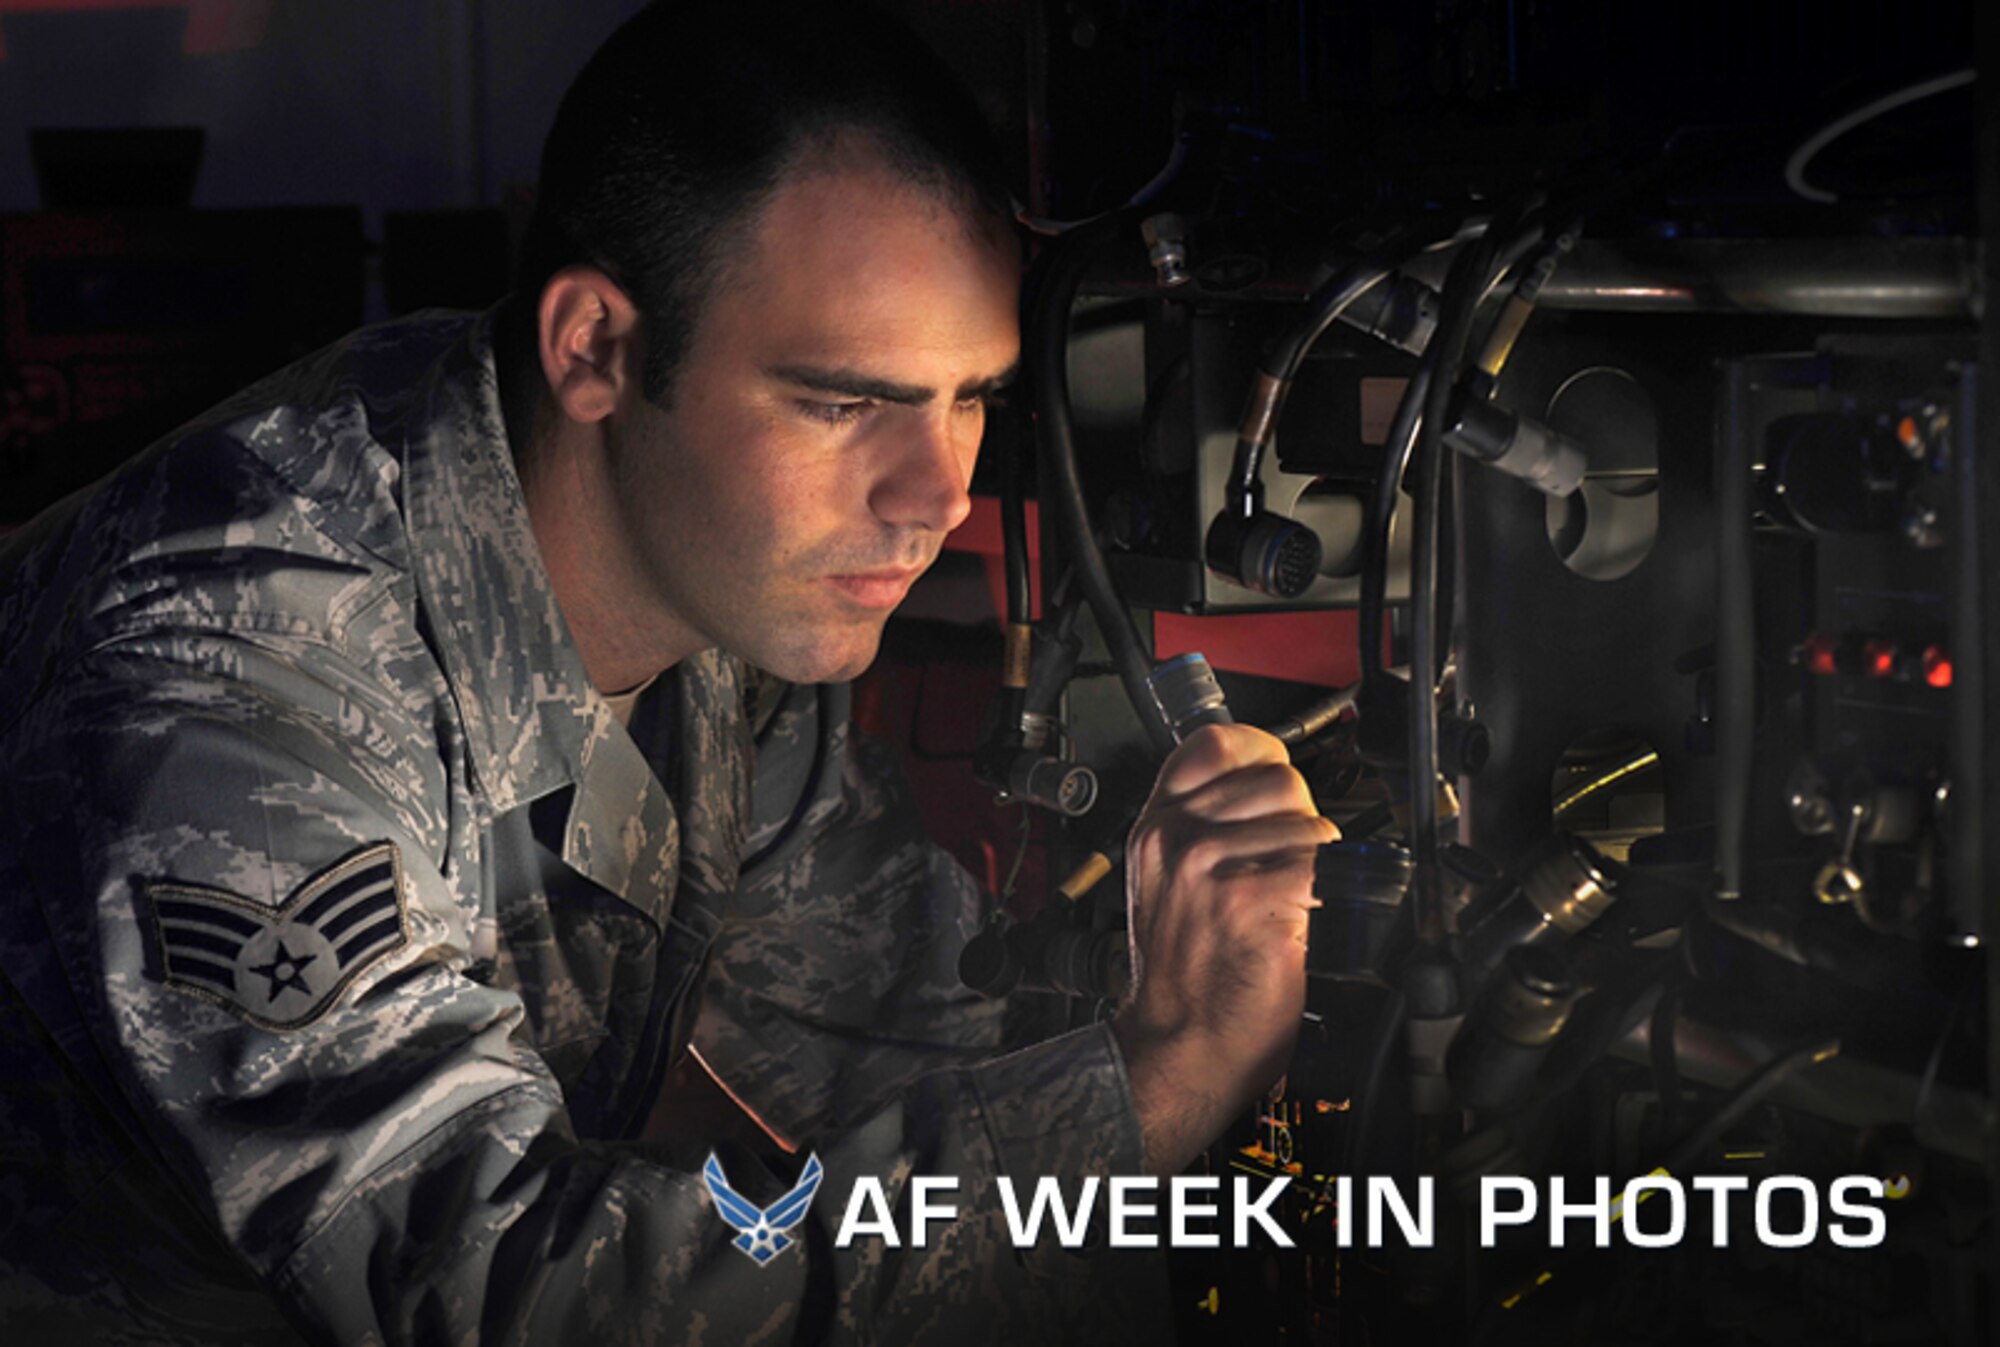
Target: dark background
[
  {"x": 279, "y": 171},
  {"x": 358, "y": 159}
]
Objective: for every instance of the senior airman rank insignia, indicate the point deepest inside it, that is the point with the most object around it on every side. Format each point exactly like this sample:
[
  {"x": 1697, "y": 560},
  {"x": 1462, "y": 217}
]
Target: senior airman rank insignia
[{"x": 284, "y": 968}]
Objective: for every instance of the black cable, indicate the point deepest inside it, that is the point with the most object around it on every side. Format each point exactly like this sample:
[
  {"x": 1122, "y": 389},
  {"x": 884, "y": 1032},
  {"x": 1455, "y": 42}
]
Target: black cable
[
  {"x": 1382, "y": 516},
  {"x": 1017, "y": 661},
  {"x": 1528, "y": 228},
  {"x": 1066, "y": 603},
  {"x": 1396, "y": 447},
  {"x": 1065, "y": 263},
  {"x": 1334, "y": 296},
  {"x": 1244, "y": 494},
  {"x": 1472, "y": 275},
  {"x": 1056, "y": 648},
  {"x": 1735, "y": 634},
  {"x": 1464, "y": 285},
  {"x": 1059, "y": 604},
  {"x": 1332, "y": 299},
  {"x": 1245, "y": 491},
  {"x": 1014, "y": 532}
]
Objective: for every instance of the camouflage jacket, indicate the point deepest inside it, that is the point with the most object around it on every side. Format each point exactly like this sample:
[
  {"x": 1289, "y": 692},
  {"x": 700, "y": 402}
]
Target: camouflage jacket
[{"x": 347, "y": 938}]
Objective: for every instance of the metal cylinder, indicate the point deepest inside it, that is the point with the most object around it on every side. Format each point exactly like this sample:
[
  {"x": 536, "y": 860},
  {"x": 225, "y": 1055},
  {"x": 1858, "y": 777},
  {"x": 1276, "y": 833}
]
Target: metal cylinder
[
  {"x": 1360, "y": 886},
  {"x": 1185, "y": 690},
  {"x": 1829, "y": 278},
  {"x": 1563, "y": 890},
  {"x": 1066, "y": 787},
  {"x": 1519, "y": 446},
  {"x": 1569, "y": 887},
  {"x": 1824, "y": 278},
  {"x": 1264, "y": 552},
  {"x": 1500, "y": 1047}
]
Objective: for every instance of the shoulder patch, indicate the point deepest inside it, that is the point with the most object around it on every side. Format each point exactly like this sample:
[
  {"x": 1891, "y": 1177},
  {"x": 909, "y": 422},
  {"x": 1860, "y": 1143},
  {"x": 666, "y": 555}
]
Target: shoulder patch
[{"x": 283, "y": 968}]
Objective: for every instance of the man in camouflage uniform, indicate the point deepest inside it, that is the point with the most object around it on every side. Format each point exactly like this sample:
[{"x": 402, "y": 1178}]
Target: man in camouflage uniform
[{"x": 357, "y": 920}]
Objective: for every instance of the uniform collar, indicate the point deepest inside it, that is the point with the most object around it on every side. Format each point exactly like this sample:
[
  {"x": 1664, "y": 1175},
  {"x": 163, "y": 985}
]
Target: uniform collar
[
  {"x": 528, "y": 708},
  {"x": 533, "y": 721}
]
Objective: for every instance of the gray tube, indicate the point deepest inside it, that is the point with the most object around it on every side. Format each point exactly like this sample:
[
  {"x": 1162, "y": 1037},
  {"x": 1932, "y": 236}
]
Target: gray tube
[{"x": 1828, "y": 278}]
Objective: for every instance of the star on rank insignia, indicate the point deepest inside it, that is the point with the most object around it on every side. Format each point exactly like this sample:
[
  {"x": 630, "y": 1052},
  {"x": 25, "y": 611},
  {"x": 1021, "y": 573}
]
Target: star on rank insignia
[{"x": 284, "y": 968}]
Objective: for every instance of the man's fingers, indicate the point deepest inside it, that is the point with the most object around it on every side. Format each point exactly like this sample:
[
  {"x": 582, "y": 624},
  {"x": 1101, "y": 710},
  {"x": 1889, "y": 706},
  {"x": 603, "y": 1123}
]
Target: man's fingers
[
  {"x": 1247, "y": 793},
  {"x": 1272, "y": 842},
  {"x": 1212, "y": 751}
]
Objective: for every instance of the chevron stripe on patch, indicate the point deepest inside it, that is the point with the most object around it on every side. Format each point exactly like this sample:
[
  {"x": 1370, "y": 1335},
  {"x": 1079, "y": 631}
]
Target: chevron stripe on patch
[{"x": 284, "y": 968}]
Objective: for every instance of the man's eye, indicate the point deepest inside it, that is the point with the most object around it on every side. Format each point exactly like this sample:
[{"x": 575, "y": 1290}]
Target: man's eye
[
  {"x": 984, "y": 402},
  {"x": 834, "y": 413}
]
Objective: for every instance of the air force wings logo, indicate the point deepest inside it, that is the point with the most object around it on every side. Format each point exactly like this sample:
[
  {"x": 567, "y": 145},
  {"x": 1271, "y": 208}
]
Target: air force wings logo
[
  {"x": 762, "y": 1231},
  {"x": 284, "y": 968}
]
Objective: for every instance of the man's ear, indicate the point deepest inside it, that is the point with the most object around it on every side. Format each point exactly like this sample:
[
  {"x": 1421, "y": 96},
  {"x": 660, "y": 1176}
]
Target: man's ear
[{"x": 587, "y": 337}]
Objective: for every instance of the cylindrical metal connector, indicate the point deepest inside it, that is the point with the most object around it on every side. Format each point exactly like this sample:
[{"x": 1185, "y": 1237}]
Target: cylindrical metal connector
[
  {"x": 1086, "y": 876},
  {"x": 1014, "y": 665},
  {"x": 1569, "y": 888},
  {"x": 1561, "y": 893},
  {"x": 1499, "y": 1049},
  {"x": 1264, "y": 552},
  {"x": 1066, "y": 787},
  {"x": 1185, "y": 690},
  {"x": 1517, "y": 445},
  {"x": 1166, "y": 248},
  {"x": 1361, "y": 886}
]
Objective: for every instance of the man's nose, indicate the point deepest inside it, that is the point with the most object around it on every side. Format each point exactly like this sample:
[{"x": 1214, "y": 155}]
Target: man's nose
[{"x": 926, "y": 484}]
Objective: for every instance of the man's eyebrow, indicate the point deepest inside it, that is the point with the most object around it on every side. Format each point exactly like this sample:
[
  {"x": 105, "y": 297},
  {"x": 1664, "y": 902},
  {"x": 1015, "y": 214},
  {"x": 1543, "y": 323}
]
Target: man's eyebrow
[
  {"x": 986, "y": 388},
  {"x": 854, "y": 384}
]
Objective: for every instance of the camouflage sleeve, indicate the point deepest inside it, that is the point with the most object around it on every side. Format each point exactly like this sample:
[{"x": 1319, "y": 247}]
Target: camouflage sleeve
[
  {"x": 390, "y": 1159},
  {"x": 834, "y": 981}
]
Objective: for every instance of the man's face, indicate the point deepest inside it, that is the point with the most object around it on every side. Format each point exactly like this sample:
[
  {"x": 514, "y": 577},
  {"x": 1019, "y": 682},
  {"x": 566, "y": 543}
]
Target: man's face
[{"x": 824, "y": 422}]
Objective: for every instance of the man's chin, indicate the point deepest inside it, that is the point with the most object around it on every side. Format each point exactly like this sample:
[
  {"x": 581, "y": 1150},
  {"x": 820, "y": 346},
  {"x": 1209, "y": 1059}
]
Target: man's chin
[{"x": 832, "y": 660}]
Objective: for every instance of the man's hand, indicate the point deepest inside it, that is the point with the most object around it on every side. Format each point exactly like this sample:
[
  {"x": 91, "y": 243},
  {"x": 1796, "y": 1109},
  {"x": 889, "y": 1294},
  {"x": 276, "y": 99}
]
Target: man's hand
[{"x": 1218, "y": 887}]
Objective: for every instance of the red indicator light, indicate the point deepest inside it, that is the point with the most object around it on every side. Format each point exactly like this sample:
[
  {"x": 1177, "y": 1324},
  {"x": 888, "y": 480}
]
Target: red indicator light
[
  {"x": 1908, "y": 435},
  {"x": 1878, "y": 657},
  {"x": 1819, "y": 651},
  {"x": 1937, "y": 666}
]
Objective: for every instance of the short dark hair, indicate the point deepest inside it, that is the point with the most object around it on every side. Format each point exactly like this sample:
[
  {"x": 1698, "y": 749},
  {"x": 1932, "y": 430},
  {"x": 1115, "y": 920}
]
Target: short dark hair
[{"x": 686, "y": 119}]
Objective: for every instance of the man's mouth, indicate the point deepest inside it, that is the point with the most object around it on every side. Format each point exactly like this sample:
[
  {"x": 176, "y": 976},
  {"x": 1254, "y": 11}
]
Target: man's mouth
[{"x": 882, "y": 588}]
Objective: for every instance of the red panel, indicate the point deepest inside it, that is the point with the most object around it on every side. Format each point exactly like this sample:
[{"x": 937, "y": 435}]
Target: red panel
[
  {"x": 1316, "y": 647},
  {"x": 980, "y": 534}
]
